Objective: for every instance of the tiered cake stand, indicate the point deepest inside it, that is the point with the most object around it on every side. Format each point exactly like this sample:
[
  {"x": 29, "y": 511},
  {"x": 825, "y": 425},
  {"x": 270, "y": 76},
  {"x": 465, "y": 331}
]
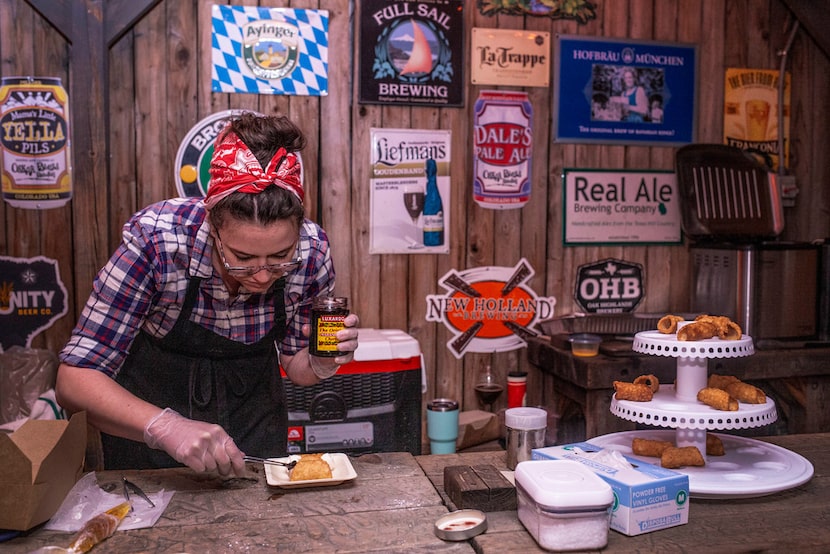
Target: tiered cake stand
[{"x": 749, "y": 467}]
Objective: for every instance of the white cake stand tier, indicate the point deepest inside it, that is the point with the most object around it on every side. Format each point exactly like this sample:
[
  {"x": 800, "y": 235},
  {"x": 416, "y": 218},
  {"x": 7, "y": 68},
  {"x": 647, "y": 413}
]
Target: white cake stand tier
[{"x": 750, "y": 467}]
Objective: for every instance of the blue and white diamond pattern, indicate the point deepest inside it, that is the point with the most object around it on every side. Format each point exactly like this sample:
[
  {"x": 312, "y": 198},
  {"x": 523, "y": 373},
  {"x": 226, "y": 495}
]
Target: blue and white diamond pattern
[{"x": 229, "y": 72}]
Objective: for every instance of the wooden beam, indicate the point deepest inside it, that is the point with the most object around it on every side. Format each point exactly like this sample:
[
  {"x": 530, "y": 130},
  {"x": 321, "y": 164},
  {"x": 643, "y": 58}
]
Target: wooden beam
[
  {"x": 58, "y": 13},
  {"x": 90, "y": 144},
  {"x": 814, "y": 17},
  {"x": 121, "y": 15}
]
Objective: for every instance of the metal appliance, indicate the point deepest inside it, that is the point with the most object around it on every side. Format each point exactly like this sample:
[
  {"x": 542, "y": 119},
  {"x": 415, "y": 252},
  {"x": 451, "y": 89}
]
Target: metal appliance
[
  {"x": 372, "y": 404},
  {"x": 731, "y": 208}
]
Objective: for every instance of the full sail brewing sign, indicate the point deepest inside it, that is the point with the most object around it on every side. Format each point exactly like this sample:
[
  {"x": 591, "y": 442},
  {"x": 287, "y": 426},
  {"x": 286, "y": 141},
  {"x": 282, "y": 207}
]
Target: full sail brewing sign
[
  {"x": 503, "y": 144},
  {"x": 34, "y": 142}
]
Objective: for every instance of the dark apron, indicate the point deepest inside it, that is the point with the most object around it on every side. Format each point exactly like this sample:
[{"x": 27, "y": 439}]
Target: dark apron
[{"x": 207, "y": 377}]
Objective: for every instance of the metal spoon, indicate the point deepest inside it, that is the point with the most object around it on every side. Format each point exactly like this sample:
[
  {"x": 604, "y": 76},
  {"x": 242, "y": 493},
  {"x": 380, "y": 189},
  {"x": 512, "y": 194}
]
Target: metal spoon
[{"x": 288, "y": 465}]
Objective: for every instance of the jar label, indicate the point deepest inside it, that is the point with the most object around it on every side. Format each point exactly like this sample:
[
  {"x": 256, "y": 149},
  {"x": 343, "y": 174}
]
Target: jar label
[{"x": 324, "y": 339}]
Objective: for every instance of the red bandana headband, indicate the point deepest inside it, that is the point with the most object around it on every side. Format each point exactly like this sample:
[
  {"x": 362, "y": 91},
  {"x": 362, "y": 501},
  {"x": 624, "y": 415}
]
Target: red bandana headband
[{"x": 234, "y": 168}]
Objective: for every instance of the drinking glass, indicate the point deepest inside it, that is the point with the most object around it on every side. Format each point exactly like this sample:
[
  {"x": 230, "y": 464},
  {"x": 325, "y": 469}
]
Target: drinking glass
[{"x": 488, "y": 388}]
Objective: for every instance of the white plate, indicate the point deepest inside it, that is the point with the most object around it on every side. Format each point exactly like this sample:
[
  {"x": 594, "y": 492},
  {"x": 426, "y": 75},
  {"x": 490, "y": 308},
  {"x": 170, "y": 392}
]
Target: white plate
[
  {"x": 341, "y": 471},
  {"x": 749, "y": 468}
]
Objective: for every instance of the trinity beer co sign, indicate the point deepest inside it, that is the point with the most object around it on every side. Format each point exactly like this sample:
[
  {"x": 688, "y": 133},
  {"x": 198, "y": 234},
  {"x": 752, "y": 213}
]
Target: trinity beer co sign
[
  {"x": 32, "y": 298},
  {"x": 489, "y": 309}
]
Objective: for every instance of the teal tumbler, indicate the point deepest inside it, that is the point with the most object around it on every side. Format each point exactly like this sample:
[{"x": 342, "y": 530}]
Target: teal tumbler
[{"x": 442, "y": 425}]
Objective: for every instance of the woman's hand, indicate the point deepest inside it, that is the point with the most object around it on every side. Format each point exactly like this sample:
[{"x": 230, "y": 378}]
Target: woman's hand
[
  {"x": 201, "y": 446},
  {"x": 347, "y": 339}
]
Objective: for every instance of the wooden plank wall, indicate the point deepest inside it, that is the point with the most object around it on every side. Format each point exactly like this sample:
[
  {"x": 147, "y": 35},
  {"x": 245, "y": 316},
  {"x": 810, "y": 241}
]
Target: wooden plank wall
[{"x": 159, "y": 86}]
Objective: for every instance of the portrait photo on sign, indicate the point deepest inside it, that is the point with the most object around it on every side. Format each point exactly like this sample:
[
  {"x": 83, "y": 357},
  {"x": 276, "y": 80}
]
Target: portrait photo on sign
[{"x": 623, "y": 91}]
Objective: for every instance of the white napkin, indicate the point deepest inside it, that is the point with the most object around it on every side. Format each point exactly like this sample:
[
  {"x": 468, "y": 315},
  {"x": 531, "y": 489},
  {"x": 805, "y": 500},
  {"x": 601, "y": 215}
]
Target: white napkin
[{"x": 86, "y": 500}]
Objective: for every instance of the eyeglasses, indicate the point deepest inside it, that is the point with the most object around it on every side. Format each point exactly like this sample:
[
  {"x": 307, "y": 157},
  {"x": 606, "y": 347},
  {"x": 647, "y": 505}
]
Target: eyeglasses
[{"x": 247, "y": 271}]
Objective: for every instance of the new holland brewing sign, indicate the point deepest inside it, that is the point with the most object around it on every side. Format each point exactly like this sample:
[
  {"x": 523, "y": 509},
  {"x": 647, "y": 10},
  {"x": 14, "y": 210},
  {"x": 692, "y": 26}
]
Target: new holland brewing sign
[
  {"x": 609, "y": 286},
  {"x": 489, "y": 309}
]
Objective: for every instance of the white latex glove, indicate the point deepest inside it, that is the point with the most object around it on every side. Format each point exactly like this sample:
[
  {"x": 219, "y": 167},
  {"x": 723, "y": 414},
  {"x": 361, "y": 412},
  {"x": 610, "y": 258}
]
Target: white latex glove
[{"x": 201, "y": 446}]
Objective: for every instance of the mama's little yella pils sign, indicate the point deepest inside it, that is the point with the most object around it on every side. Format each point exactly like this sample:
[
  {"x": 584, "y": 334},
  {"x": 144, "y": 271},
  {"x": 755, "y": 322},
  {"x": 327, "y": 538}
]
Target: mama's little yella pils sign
[{"x": 614, "y": 207}]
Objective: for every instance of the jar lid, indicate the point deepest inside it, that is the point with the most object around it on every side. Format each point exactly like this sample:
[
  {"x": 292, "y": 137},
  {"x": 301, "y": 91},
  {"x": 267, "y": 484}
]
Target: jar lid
[
  {"x": 525, "y": 418},
  {"x": 563, "y": 485},
  {"x": 460, "y": 525},
  {"x": 442, "y": 405}
]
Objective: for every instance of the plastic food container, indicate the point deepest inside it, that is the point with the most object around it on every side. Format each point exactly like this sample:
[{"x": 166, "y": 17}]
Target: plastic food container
[
  {"x": 563, "y": 504},
  {"x": 585, "y": 344}
]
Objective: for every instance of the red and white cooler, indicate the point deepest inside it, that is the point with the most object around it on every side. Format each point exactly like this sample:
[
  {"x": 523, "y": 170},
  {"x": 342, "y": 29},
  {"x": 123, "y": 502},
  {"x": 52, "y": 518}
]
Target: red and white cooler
[{"x": 372, "y": 404}]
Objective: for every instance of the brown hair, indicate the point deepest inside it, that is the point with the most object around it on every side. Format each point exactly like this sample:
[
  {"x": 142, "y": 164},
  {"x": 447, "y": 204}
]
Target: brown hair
[{"x": 264, "y": 135}]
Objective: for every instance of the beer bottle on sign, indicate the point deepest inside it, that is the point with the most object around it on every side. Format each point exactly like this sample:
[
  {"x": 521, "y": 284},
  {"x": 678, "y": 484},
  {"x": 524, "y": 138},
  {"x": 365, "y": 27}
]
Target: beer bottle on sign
[{"x": 433, "y": 208}]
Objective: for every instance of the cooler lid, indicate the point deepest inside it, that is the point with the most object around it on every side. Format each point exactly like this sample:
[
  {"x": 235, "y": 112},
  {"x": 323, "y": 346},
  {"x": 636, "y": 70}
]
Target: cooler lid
[
  {"x": 385, "y": 344},
  {"x": 563, "y": 485},
  {"x": 726, "y": 193}
]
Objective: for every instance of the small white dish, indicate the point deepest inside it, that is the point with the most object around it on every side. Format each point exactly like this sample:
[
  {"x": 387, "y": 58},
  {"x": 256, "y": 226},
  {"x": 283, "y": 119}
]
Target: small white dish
[
  {"x": 341, "y": 471},
  {"x": 460, "y": 525}
]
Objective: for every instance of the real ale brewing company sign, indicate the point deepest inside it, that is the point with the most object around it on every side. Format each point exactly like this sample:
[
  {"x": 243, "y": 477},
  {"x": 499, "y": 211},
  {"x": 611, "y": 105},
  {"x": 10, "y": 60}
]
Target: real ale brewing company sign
[{"x": 502, "y": 146}]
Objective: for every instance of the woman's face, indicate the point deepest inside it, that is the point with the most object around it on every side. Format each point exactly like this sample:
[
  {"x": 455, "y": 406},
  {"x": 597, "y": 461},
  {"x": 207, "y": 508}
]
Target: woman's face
[
  {"x": 629, "y": 79},
  {"x": 251, "y": 245}
]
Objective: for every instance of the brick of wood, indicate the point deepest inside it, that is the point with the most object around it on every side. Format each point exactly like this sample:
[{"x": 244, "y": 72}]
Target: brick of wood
[{"x": 480, "y": 487}]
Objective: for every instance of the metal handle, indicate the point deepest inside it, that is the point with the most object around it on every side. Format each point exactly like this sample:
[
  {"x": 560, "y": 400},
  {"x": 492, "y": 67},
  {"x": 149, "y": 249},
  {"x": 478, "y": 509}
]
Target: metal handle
[{"x": 270, "y": 461}]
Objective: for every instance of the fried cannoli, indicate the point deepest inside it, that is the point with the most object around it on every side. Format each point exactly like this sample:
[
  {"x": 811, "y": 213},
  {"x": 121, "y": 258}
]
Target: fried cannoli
[
  {"x": 649, "y": 447},
  {"x": 719, "y": 399},
  {"x": 726, "y": 328},
  {"x": 649, "y": 380},
  {"x": 668, "y": 324},
  {"x": 697, "y": 330},
  {"x": 721, "y": 381},
  {"x": 732, "y": 331},
  {"x": 744, "y": 392},
  {"x": 681, "y": 456},
  {"x": 633, "y": 392},
  {"x": 714, "y": 446},
  {"x": 310, "y": 468}
]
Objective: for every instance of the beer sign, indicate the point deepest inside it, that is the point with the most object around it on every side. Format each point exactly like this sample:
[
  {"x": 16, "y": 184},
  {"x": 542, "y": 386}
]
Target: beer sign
[
  {"x": 609, "y": 286},
  {"x": 489, "y": 309},
  {"x": 32, "y": 298},
  {"x": 503, "y": 149},
  {"x": 34, "y": 142}
]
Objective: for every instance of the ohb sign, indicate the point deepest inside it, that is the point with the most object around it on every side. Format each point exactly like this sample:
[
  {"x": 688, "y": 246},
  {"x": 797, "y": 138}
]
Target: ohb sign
[{"x": 609, "y": 286}]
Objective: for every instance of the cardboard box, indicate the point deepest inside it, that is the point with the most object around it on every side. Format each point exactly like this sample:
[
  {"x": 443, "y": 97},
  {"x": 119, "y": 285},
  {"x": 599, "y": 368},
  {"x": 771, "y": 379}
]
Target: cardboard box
[
  {"x": 39, "y": 465},
  {"x": 646, "y": 497},
  {"x": 476, "y": 427}
]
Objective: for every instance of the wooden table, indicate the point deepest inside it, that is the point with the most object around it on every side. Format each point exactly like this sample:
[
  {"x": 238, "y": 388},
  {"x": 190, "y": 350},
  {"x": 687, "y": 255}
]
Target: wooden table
[
  {"x": 392, "y": 505},
  {"x": 580, "y": 389},
  {"x": 793, "y": 521}
]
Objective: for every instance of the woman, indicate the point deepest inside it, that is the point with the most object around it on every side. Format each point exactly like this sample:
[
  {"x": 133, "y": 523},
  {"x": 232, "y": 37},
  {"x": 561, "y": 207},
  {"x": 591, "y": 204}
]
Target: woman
[
  {"x": 633, "y": 98},
  {"x": 175, "y": 357}
]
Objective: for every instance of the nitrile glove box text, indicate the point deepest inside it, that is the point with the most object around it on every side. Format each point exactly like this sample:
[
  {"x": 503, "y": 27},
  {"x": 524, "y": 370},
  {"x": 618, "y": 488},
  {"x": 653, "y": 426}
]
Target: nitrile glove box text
[{"x": 646, "y": 497}]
